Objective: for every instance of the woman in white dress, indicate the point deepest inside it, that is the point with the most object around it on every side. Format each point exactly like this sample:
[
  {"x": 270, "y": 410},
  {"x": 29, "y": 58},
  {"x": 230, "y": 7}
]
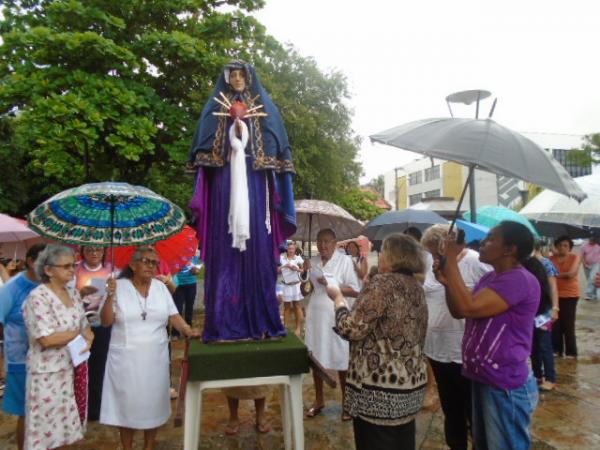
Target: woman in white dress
[
  {"x": 290, "y": 267},
  {"x": 330, "y": 350},
  {"x": 135, "y": 395}
]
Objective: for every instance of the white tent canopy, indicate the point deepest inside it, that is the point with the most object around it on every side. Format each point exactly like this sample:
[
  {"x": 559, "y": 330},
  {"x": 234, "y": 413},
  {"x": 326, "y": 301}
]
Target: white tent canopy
[{"x": 550, "y": 206}]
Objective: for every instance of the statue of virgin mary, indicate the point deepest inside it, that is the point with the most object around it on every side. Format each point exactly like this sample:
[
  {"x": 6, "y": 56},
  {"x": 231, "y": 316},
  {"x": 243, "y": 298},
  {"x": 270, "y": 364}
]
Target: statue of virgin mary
[{"x": 243, "y": 205}]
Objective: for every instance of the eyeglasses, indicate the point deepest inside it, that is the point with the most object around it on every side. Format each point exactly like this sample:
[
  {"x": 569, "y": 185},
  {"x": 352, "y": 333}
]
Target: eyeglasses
[
  {"x": 150, "y": 262},
  {"x": 68, "y": 266},
  {"x": 93, "y": 249}
]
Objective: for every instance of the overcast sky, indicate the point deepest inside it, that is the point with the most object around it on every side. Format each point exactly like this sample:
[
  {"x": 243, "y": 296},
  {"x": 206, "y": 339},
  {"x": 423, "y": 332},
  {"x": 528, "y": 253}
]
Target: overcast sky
[{"x": 540, "y": 58}]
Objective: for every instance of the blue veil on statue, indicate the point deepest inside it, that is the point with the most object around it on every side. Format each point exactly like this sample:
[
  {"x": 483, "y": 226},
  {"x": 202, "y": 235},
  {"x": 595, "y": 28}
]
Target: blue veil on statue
[{"x": 240, "y": 299}]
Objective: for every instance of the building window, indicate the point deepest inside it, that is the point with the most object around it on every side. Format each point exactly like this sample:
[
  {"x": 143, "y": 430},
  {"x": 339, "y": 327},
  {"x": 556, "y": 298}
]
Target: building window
[
  {"x": 415, "y": 178},
  {"x": 432, "y": 173},
  {"x": 434, "y": 193},
  {"x": 415, "y": 198},
  {"x": 574, "y": 169}
]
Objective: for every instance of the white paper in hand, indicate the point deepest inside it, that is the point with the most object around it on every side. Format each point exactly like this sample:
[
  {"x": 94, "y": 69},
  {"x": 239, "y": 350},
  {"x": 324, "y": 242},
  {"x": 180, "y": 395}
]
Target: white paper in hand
[
  {"x": 75, "y": 347},
  {"x": 100, "y": 284},
  {"x": 331, "y": 280}
]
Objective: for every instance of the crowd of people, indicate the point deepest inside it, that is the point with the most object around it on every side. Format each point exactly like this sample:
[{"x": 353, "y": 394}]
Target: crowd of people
[
  {"x": 125, "y": 382},
  {"x": 432, "y": 314},
  {"x": 473, "y": 322}
]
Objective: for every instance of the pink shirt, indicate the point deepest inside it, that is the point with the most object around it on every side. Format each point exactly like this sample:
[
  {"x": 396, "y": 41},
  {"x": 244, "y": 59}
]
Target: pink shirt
[{"x": 590, "y": 253}]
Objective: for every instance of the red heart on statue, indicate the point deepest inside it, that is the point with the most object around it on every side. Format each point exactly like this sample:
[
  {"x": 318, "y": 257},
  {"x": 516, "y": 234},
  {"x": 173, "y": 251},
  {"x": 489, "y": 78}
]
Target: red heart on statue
[{"x": 238, "y": 110}]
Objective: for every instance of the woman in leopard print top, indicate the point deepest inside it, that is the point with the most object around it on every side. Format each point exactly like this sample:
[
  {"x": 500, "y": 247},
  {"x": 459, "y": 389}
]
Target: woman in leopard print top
[{"x": 386, "y": 329}]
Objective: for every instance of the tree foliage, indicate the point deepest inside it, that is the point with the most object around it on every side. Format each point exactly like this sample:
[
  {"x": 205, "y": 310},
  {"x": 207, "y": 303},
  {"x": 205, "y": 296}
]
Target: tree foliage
[
  {"x": 361, "y": 204},
  {"x": 318, "y": 123},
  {"x": 378, "y": 184},
  {"x": 97, "y": 90},
  {"x": 589, "y": 153}
]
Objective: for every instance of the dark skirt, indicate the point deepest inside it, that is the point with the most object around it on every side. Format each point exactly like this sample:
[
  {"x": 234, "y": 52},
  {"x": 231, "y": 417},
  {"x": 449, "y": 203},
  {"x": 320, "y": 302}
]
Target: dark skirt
[{"x": 368, "y": 436}]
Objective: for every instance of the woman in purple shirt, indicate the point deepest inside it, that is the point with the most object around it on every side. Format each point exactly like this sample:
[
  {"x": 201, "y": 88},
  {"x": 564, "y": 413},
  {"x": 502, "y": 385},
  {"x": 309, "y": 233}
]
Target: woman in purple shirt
[{"x": 499, "y": 317}]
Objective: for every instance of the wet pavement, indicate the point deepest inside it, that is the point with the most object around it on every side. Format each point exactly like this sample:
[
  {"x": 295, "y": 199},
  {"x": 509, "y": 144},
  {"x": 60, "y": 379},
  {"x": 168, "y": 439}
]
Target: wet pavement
[{"x": 567, "y": 418}]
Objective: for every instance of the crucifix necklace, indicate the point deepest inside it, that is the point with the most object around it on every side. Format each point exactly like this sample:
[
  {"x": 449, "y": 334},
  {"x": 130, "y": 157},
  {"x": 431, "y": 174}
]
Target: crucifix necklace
[{"x": 143, "y": 304}]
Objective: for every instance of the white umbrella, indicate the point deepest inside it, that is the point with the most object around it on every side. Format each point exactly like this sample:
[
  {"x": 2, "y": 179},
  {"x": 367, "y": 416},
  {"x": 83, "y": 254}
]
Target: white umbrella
[
  {"x": 483, "y": 144},
  {"x": 565, "y": 213}
]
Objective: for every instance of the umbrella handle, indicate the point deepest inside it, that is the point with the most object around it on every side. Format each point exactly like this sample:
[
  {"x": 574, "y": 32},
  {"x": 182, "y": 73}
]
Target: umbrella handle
[
  {"x": 112, "y": 232},
  {"x": 462, "y": 197}
]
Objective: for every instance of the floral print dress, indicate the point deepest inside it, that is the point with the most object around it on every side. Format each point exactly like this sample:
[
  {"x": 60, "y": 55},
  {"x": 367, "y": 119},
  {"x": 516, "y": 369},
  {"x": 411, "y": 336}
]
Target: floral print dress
[{"x": 52, "y": 418}]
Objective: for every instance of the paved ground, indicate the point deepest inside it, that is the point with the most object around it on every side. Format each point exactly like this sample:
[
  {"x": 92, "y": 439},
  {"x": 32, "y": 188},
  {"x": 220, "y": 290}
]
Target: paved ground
[{"x": 565, "y": 419}]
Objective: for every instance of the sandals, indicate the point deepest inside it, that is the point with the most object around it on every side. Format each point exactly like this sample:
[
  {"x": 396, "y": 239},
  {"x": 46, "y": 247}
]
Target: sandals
[
  {"x": 232, "y": 429},
  {"x": 314, "y": 411},
  {"x": 346, "y": 417},
  {"x": 262, "y": 427}
]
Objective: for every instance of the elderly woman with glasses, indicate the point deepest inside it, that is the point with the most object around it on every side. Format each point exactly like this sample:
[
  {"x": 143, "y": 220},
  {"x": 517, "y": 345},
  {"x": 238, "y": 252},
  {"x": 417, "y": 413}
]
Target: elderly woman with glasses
[
  {"x": 135, "y": 395},
  {"x": 56, "y": 407}
]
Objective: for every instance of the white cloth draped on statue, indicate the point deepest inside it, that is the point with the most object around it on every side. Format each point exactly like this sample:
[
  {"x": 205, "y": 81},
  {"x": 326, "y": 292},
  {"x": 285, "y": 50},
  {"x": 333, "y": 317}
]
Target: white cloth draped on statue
[{"x": 239, "y": 204}]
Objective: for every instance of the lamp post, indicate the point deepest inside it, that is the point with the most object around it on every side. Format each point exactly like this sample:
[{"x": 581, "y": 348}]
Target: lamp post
[
  {"x": 396, "y": 188},
  {"x": 467, "y": 98}
]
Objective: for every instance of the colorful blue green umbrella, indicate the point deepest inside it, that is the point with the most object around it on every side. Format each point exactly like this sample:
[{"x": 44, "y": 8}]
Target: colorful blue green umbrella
[
  {"x": 491, "y": 215},
  {"x": 107, "y": 214}
]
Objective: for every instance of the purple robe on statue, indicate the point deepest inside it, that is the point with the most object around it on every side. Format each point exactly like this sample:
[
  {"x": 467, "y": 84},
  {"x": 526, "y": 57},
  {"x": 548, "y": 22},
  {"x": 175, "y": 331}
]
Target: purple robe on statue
[{"x": 239, "y": 286}]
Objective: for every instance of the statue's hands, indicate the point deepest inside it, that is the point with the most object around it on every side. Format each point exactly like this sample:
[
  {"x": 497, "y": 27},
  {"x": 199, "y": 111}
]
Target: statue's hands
[{"x": 238, "y": 128}]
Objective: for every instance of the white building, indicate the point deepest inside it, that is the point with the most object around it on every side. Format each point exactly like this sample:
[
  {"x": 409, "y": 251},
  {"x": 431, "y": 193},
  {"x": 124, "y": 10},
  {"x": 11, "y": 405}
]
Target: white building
[{"x": 423, "y": 178}]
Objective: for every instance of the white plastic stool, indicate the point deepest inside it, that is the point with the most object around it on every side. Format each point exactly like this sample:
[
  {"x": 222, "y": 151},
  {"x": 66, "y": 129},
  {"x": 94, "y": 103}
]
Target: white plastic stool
[{"x": 291, "y": 407}]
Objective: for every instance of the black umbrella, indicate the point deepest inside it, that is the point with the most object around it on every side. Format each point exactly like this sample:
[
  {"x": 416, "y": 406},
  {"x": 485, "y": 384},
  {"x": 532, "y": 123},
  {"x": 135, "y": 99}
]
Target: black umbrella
[{"x": 398, "y": 221}]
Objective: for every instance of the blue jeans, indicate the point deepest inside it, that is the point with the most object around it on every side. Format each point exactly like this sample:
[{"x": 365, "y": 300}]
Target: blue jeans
[
  {"x": 542, "y": 357},
  {"x": 592, "y": 292},
  {"x": 501, "y": 417}
]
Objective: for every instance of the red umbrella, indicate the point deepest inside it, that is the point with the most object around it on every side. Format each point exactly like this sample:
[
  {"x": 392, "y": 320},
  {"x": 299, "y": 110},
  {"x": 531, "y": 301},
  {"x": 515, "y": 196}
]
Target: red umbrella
[{"x": 176, "y": 251}]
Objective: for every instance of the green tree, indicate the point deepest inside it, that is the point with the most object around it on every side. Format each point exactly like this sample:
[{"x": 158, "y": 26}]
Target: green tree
[
  {"x": 360, "y": 204},
  {"x": 100, "y": 89},
  {"x": 378, "y": 184},
  {"x": 97, "y": 89},
  {"x": 589, "y": 153},
  {"x": 318, "y": 122}
]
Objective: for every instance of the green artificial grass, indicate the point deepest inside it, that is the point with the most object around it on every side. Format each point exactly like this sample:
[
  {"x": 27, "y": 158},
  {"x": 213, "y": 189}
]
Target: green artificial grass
[{"x": 247, "y": 359}]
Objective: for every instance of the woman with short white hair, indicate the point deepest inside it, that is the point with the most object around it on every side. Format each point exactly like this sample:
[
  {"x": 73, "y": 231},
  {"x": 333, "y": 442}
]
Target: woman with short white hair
[
  {"x": 56, "y": 405},
  {"x": 386, "y": 330}
]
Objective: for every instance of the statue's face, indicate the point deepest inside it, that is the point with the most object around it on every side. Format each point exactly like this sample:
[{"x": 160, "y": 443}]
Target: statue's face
[{"x": 237, "y": 80}]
